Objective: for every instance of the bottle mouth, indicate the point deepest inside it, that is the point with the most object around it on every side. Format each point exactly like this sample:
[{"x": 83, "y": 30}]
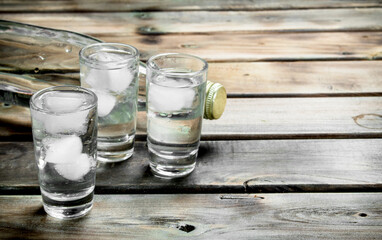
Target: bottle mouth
[{"x": 100, "y": 55}]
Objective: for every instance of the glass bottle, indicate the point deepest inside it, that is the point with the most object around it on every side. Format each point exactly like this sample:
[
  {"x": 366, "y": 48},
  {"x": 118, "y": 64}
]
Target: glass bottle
[{"x": 44, "y": 57}]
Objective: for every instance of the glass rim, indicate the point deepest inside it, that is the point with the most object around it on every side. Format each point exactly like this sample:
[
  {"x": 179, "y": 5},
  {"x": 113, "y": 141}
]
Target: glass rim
[
  {"x": 86, "y": 59},
  {"x": 189, "y": 74},
  {"x": 72, "y": 88}
]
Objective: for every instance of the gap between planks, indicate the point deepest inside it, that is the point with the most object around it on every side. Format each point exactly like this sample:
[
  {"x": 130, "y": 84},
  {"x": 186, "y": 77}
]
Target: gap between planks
[{"x": 126, "y": 6}]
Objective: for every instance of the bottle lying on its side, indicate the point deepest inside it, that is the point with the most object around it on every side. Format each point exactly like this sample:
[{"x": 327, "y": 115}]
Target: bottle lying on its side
[{"x": 33, "y": 58}]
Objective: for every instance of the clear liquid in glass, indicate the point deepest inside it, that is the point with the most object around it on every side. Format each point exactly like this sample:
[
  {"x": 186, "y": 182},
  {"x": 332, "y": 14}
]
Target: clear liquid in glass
[
  {"x": 117, "y": 90},
  {"x": 64, "y": 136},
  {"x": 174, "y": 122}
]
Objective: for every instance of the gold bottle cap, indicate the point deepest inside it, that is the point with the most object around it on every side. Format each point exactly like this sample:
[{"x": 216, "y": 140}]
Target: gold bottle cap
[{"x": 216, "y": 98}]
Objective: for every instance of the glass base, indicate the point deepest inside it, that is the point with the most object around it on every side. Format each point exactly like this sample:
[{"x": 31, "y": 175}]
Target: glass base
[
  {"x": 110, "y": 157},
  {"x": 168, "y": 172},
  {"x": 68, "y": 212},
  {"x": 115, "y": 149},
  {"x": 170, "y": 164}
]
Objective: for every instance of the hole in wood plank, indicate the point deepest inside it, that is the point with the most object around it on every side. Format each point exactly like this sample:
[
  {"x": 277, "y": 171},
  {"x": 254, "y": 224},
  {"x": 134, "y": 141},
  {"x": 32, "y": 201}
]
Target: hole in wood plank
[
  {"x": 362, "y": 214},
  {"x": 6, "y": 105},
  {"x": 186, "y": 228}
]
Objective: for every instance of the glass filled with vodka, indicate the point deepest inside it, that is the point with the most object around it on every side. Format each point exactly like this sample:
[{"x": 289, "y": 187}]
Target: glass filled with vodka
[
  {"x": 110, "y": 70},
  {"x": 64, "y": 126},
  {"x": 176, "y": 89}
]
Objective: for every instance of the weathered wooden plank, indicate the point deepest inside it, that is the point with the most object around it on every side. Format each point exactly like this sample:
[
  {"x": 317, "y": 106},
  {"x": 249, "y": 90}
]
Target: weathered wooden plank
[
  {"x": 171, "y": 5},
  {"x": 261, "y": 47},
  {"x": 258, "y": 118},
  {"x": 225, "y": 166},
  {"x": 298, "y": 78},
  {"x": 263, "y": 118},
  {"x": 148, "y": 23},
  {"x": 265, "y": 216}
]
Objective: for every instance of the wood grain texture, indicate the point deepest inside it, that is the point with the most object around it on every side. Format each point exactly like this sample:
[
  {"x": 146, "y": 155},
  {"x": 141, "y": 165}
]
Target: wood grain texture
[
  {"x": 265, "y": 216},
  {"x": 15, "y": 115},
  {"x": 260, "y": 47},
  {"x": 298, "y": 78},
  {"x": 171, "y": 5},
  {"x": 225, "y": 166},
  {"x": 313, "y": 124},
  {"x": 264, "y": 118},
  {"x": 257, "y": 118},
  {"x": 149, "y": 23}
]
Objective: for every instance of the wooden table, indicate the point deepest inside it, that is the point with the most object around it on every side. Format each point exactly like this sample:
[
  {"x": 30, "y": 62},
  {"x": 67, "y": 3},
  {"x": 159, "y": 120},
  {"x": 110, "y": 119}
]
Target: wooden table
[{"x": 296, "y": 155}]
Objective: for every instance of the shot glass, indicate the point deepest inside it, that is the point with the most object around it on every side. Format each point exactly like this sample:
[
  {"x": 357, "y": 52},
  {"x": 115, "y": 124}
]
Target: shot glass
[
  {"x": 110, "y": 70},
  {"x": 64, "y": 126},
  {"x": 176, "y": 89}
]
